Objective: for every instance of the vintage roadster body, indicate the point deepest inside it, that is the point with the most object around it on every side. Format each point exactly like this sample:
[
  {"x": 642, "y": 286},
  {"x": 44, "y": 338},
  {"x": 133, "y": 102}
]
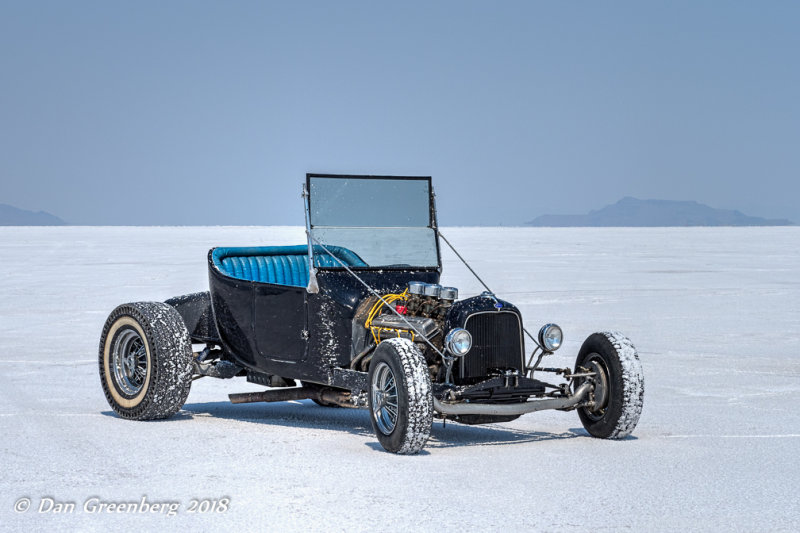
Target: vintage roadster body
[{"x": 356, "y": 317}]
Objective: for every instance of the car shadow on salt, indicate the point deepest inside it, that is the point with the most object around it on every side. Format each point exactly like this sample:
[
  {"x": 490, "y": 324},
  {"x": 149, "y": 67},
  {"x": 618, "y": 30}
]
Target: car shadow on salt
[
  {"x": 453, "y": 435},
  {"x": 174, "y": 418},
  {"x": 306, "y": 414}
]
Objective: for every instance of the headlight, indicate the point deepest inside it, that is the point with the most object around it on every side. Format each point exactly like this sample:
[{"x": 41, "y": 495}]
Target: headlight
[
  {"x": 458, "y": 341},
  {"x": 550, "y": 337}
]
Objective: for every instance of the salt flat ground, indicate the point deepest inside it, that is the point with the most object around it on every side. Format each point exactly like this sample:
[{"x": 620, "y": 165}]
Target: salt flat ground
[{"x": 715, "y": 314}]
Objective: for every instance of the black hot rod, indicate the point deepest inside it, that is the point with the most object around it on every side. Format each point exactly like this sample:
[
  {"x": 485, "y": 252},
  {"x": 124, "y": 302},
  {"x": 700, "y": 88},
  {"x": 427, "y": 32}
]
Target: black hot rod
[{"x": 356, "y": 318}]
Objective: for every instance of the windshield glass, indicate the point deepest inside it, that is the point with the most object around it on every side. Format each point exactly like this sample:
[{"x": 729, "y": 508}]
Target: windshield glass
[{"x": 372, "y": 222}]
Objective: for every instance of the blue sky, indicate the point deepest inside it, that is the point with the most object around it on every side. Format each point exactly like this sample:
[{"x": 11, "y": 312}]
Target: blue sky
[{"x": 212, "y": 112}]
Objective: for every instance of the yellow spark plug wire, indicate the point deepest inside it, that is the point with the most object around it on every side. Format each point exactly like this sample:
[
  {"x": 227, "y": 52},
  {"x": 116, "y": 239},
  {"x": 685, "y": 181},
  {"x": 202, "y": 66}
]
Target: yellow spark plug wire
[{"x": 375, "y": 310}]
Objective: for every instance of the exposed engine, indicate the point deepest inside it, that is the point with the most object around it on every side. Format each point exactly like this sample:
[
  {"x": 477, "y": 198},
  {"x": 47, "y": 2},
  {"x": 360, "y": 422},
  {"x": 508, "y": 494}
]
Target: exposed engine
[
  {"x": 481, "y": 337},
  {"x": 422, "y": 305}
]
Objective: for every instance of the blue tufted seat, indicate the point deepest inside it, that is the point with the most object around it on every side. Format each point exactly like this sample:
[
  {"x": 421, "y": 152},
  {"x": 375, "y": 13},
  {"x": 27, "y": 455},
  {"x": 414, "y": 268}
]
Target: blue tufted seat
[{"x": 281, "y": 265}]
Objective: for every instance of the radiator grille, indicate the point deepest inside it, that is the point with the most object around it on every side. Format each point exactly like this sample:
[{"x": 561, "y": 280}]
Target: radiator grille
[{"x": 496, "y": 343}]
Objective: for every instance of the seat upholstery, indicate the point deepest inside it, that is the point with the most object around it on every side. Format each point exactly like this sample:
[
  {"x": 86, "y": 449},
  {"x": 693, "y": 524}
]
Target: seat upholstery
[{"x": 281, "y": 265}]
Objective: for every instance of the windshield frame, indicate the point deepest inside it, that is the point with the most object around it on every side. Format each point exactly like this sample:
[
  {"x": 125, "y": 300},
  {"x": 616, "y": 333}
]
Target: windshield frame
[{"x": 432, "y": 221}]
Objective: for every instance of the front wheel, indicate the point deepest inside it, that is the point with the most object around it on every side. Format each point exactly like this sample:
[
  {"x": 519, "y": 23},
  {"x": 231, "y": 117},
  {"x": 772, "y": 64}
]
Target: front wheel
[
  {"x": 618, "y": 385},
  {"x": 400, "y": 397}
]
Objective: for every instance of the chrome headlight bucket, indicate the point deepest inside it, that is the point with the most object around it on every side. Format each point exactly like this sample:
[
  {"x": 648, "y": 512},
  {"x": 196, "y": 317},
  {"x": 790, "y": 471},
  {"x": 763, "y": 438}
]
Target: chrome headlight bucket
[
  {"x": 550, "y": 337},
  {"x": 458, "y": 341}
]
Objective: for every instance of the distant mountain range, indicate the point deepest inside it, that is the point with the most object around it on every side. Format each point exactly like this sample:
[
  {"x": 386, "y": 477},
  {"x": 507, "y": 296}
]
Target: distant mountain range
[
  {"x": 13, "y": 216},
  {"x": 628, "y": 212},
  {"x": 653, "y": 213}
]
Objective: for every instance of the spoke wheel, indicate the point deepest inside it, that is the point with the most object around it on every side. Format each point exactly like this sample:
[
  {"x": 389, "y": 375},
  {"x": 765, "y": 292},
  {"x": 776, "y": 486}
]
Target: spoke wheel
[
  {"x": 129, "y": 361},
  {"x": 400, "y": 397},
  {"x": 145, "y": 360},
  {"x": 384, "y": 399}
]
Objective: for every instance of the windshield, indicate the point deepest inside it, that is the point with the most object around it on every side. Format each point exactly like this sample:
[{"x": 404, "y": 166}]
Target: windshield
[{"x": 373, "y": 221}]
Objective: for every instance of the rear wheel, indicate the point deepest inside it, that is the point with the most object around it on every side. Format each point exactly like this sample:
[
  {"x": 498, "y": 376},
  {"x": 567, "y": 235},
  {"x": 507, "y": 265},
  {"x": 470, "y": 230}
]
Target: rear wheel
[
  {"x": 145, "y": 360},
  {"x": 619, "y": 385},
  {"x": 400, "y": 397}
]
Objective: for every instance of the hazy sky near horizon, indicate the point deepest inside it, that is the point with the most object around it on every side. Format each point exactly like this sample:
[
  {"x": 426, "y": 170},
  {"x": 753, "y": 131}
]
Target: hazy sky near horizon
[{"x": 196, "y": 112}]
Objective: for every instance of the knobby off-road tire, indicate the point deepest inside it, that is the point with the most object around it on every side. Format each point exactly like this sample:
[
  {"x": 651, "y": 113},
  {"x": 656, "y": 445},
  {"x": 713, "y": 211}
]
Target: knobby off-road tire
[
  {"x": 400, "y": 397},
  {"x": 619, "y": 390},
  {"x": 145, "y": 360}
]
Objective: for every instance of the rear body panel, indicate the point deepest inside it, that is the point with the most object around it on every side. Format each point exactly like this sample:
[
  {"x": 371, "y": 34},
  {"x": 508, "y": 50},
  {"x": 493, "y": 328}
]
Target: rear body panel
[{"x": 195, "y": 309}]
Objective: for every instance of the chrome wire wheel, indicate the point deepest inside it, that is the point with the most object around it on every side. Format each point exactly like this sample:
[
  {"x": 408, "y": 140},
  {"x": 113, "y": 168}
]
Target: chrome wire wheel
[
  {"x": 400, "y": 396},
  {"x": 384, "y": 398},
  {"x": 129, "y": 361},
  {"x": 145, "y": 360}
]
